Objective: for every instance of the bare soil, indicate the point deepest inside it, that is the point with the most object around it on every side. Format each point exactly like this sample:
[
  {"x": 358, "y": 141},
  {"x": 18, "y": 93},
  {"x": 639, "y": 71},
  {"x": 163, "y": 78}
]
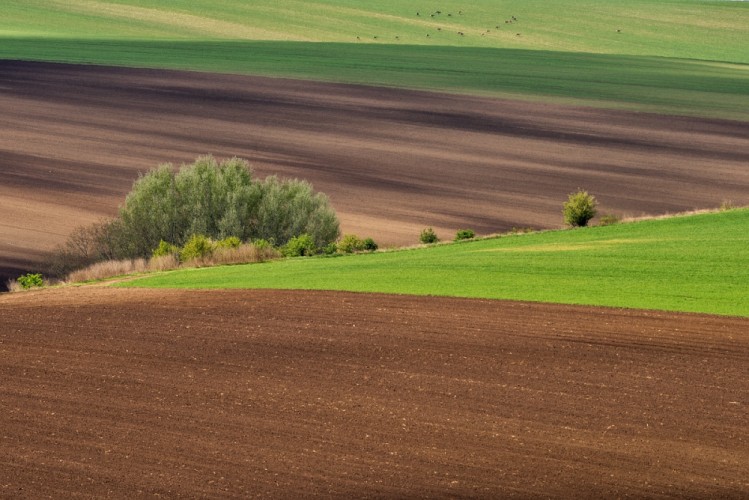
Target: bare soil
[
  {"x": 74, "y": 138},
  {"x": 124, "y": 393}
]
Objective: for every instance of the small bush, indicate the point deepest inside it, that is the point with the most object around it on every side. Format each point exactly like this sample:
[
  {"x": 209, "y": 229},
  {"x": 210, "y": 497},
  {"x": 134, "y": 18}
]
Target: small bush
[
  {"x": 370, "y": 245},
  {"x": 351, "y": 243},
  {"x": 609, "y": 220},
  {"x": 330, "y": 249},
  {"x": 428, "y": 236},
  {"x": 262, "y": 244},
  {"x": 30, "y": 280},
  {"x": 579, "y": 208},
  {"x": 464, "y": 234},
  {"x": 164, "y": 249},
  {"x": 230, "y": 242},
  {"x": 197, "y": 247},
  {"x": 521, "y": 230},
  {"x": 299, "y": 246}
]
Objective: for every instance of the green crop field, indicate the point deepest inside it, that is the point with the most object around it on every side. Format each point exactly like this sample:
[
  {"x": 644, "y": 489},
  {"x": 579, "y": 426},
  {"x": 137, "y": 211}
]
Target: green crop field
[
  {"x": 708, "y": 30},
  {"x": 690, "y": 263},
  {"x": 679, "y": 57}
]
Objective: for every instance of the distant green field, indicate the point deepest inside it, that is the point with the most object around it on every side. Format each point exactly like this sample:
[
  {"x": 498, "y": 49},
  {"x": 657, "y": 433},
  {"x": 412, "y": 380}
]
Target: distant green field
[
  {"x": 677, "y": 57},
  {"x": 633, "y": 82},
  {"x": 692, "y": 29},
  {"x": 692, "y": 263}
]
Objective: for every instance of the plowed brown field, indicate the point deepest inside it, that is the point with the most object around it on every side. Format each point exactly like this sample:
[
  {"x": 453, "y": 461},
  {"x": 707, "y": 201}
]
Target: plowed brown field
[
  {"x": 73, "y": 139},
  {"x": 283, "y": 393}
]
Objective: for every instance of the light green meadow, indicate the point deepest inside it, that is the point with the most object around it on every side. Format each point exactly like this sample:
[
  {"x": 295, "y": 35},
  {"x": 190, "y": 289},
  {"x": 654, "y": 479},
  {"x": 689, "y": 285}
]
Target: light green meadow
[
  {"x": 689, "y": 263},
  {"x": 707, "y": 30}
]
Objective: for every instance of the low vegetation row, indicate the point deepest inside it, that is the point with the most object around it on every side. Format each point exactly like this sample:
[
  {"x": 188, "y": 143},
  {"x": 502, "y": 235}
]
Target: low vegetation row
[{"x": 210, "y": 213}]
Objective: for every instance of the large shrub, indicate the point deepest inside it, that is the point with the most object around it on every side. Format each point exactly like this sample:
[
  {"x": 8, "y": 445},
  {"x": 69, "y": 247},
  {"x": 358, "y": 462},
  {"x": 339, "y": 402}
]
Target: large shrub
[
  {"x": 217, "y": 200},
  {"x": 579, "y": 208},
  {"x": 210, "y": 198}
]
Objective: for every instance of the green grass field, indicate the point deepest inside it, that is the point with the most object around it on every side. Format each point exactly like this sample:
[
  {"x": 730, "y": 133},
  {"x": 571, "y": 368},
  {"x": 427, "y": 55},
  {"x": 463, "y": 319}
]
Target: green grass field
[
  {"x": 677, "y": 57},
  {"x": 690, "y": 263},
  {"x": 693, "y": 29}
]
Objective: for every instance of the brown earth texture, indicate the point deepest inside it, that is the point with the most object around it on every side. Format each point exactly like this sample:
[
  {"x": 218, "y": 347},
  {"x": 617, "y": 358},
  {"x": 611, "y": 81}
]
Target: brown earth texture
[
  {"x": 128, "y": 393},
  {"x": 74, "y": 138}
]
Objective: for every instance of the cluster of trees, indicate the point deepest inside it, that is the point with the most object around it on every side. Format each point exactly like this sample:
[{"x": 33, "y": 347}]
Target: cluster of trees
[{"x": 208, "y": 198}]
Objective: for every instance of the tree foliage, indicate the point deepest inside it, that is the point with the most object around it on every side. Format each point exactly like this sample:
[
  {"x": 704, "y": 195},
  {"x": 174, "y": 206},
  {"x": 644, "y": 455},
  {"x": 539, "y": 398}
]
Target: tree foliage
[
  {"x": 208, "y": 198},
  {"x": 219, "y": 200}
]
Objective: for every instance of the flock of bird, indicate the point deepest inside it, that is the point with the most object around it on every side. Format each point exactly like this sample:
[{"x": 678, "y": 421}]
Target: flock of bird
[{"x": 438, "y": 13}]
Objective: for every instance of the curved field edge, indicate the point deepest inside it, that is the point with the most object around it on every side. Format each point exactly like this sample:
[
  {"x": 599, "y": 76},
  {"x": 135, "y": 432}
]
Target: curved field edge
[
  {"x": 694, "y": 263},
  {"x": 644, "y": 83}
]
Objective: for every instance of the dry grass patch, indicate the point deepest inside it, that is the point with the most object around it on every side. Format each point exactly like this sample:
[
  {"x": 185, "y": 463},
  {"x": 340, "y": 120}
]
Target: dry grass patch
[
  {"x": 163, "y": 263},
  {"x": 244, "y": 254},
  {"x": 13, "y": 286},
  {"x": 108, "y": 269}
]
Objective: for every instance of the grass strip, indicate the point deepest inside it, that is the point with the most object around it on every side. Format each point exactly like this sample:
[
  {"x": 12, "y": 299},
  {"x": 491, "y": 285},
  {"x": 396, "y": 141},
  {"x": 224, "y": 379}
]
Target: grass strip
[{"x": 692, "y": 263}]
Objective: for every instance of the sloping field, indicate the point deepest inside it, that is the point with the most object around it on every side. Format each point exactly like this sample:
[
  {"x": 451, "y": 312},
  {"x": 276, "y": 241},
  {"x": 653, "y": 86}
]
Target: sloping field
[
  {"x": 392, "y": 160},
  {"x": 691, "y": 263},
  {"x": 638, "y": 83},
  {"x": 111, "y": 392}
]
